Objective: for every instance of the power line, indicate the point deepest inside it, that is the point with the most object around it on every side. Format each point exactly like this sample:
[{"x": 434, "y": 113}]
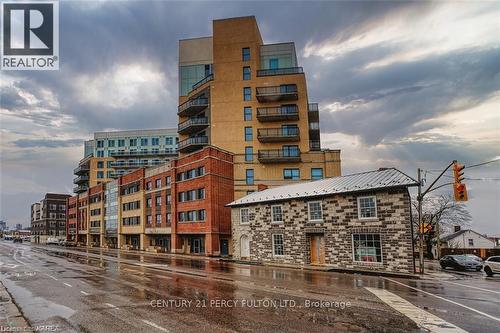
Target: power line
[
  {"x": 467, "y": 167},
  {"x": 483, "y": 163}
]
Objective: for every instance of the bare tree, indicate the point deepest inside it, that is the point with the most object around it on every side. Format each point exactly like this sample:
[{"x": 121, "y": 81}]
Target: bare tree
[{"x": 442, "y": 213}]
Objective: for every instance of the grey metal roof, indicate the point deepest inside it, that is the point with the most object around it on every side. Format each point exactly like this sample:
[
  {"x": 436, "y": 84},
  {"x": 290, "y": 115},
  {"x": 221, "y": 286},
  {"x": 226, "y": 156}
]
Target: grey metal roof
[{"x": 371, "y": 180}]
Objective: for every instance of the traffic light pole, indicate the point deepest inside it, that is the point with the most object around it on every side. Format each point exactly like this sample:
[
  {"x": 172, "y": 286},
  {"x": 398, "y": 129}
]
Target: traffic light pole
[
  {"x": 420, "y": 226},
  {"x": 420, "y": 198}
]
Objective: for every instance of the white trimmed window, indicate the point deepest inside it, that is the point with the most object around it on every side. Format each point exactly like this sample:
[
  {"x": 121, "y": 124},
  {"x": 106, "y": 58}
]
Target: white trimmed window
[
  {"x": 244, "y": 215},
  {"x": 276, "y": 214},
  {"x": 315, "y": 211},
  {"x": 278, "y": 245},
  {"x": 367, "y": 248},
  {"x": 367, "y": 207}
]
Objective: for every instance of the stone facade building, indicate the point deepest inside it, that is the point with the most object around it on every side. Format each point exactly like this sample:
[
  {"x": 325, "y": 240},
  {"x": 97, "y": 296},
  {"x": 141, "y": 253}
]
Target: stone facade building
[{"x": 359, "y": 221}]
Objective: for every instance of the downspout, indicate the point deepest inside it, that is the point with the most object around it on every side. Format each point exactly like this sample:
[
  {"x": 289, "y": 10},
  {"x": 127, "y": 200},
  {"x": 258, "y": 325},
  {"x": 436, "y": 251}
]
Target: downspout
[{"x": 412, "y": 238}]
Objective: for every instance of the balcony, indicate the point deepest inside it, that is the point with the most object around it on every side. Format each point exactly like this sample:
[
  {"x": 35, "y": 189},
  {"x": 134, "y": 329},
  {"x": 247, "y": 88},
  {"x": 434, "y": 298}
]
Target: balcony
[
  {"x": 286, "y": 92},
  {"x": 115, "y": 175},
  {"x": 278, "y": 134},
  {"x": 313, "y": 112},
  {"x": 280, "y": 71},
  {"x": 81, "y": 169},
  {"x": 278, "y": 156},
  {"x": 153, "y": 152},
  {"x": 198, "y": 84},
  {"x": 192, "y": 144},
  {"x": 81, "y": 179},
  {"x": 192, "y": 125},
  {"x": 278, "y": 113},
  {"x": 79, "y": 189},
  {"x": 192, "y": 107},
  {"x": 134, "y": 164},
  {"x": 94, "y": 230},
  {"x": 314, "y": 145}
]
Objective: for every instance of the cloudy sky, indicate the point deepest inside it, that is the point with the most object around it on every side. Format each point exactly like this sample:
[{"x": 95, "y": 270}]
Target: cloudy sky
[{"x": 401, "y": 84}]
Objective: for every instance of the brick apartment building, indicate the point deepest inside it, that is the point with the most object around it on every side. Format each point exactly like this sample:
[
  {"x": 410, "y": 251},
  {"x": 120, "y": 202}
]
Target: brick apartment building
[
  {"x": 48, "y": 217},
  {"x": 177, "y": 207}
]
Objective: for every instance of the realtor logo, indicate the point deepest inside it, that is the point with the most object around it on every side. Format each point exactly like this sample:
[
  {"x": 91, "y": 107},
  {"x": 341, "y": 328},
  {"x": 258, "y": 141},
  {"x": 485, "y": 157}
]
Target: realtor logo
[{"x": 30, "y": 32}]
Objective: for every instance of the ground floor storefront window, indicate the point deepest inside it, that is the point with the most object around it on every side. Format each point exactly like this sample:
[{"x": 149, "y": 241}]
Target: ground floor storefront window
[{"x": 367, "y": 248}]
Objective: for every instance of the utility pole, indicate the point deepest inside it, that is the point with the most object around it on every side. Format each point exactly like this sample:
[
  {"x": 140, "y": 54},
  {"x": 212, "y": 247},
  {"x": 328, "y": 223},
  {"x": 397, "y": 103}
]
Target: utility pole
[
  {"x": 420, "y": 226},
  {"x": 438, "y": 240},
  {"x": 420, "y": 198}
]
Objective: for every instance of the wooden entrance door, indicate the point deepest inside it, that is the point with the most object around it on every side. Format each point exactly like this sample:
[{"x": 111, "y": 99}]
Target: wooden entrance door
[{"x": 317, "y": 249}]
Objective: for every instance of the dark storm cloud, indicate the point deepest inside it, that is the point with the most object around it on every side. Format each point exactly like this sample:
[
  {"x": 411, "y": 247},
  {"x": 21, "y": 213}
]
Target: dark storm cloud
[
  {"x": 47, "y": 143},
  {"x": 95, "y": 38},
  {"x": 391, "y": 100}
]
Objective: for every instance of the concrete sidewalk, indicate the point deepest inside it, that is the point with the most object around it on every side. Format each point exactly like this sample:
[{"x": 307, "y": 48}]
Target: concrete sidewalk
[{"x": 11, "y": 319}]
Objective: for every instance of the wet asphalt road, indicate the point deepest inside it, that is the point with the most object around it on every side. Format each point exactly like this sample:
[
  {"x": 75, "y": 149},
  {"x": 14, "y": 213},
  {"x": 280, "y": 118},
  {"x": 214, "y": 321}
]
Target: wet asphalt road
[{"x": 96, "y": 290}]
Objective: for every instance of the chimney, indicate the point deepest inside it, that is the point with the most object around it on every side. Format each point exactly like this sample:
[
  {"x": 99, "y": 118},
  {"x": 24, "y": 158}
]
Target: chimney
[
  {"x": 457, "y": 228},
  {"x": 261, "y": 187}
]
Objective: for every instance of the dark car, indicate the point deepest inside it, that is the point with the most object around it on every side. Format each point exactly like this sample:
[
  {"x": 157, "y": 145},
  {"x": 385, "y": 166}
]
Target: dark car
[
  {"x": 460, "y": 262},
  {"x": 17, "y": 240}
]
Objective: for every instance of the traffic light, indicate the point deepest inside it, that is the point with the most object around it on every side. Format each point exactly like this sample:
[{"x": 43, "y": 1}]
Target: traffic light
[
  {"x": 458, "y": 172},
  {"x": 459, "y": 189},
  {"x": 460, "y": 192}
]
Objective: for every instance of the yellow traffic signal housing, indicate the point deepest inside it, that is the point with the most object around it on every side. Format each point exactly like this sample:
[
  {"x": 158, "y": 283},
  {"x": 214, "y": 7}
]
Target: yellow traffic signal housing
[
  {"x": 460, "y": 192},
  {"x": 425, "y": 228},
  {"x": 458, "y": 172}
]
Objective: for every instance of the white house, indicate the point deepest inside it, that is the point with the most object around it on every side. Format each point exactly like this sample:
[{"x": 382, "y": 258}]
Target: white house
[{"x": 467, "y": 239}]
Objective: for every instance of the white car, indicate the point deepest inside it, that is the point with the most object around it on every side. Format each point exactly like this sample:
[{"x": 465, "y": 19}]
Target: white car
[
  {"x": 52, "y": 241},
  {"x": 492, "y": 265}
]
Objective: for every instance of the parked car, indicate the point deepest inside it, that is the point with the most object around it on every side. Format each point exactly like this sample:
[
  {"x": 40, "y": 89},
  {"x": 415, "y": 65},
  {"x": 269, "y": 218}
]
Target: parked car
[
  {"x": 492, "y": 265},
  {"x": 67, "y": 243},
  {"x": 460, "y": 262},
  {"x": 52, "y": 241},
  {"x": 474, "y": 257}
]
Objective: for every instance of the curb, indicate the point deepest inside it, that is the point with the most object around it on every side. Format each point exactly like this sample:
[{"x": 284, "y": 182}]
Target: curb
[
  {"x": 10, "y": 315},
  {"x": 326, "y": 269}
]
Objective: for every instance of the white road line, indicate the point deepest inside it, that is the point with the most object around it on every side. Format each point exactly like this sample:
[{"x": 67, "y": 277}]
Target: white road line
[
  {"x": 150, "y": 323},
  {"x": 464, "y": 285},
  {"x": 445, "y": 299},
  {"x": 85, "y": 293},
  {"x": 67, "y": 284},
  {"x": 53, "y": 278},
  {"x": 111, "y": 305},
  {"x": 424, "y": 319}
]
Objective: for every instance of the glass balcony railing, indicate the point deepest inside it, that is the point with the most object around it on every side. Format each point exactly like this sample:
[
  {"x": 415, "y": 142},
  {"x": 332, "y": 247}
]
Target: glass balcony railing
[
  {"x": 81, "y": 179},
  {"x": 279, "y": 155},
  {"x": 278, "y": 134},
  {"x": 285, "y": 92},
  {"x": 283, "y": 112},
  {"x": 193, "y": 106},
  {"x": 198, "y": 84},
  {"x": 280, "y": 71},
  {"x": 192, "y": 125},
  {"x": 193, "y": 143},
  {"x": 144, "y": 152},
  {"x": 81, "y": 169}
]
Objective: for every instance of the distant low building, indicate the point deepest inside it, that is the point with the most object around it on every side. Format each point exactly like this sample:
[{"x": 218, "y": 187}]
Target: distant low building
[
  {"x": 19, "y": 226},
  {"x": 466, "y": 239},
  {"x": 495, "y": 239},
  {"x": 356, "y": 222},
  {"x": 3, "y": 225}
]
